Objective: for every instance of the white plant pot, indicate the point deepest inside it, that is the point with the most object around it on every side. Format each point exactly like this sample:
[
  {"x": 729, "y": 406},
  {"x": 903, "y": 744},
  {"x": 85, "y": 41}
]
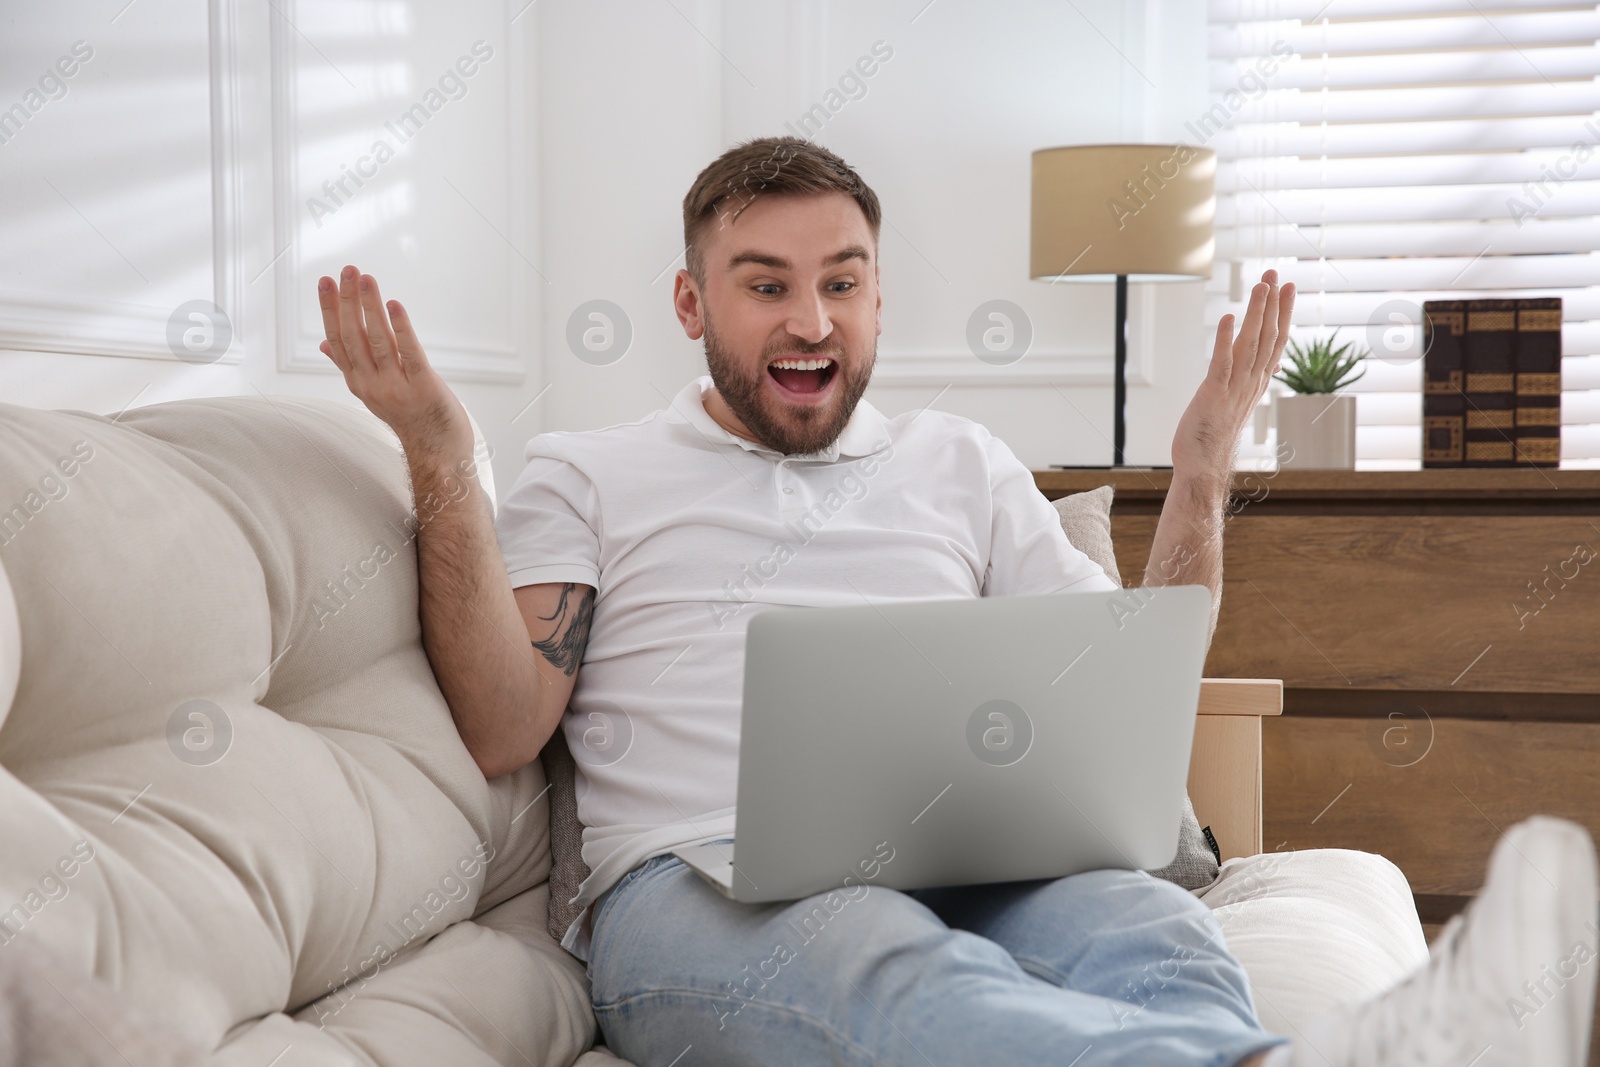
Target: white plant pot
[{"x": 1315, "y": 430}]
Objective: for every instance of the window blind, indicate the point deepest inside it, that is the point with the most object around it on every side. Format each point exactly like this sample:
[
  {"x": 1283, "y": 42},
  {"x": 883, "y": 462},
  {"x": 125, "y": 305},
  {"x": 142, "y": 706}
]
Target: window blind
[{"x": 1382, "y": 153}]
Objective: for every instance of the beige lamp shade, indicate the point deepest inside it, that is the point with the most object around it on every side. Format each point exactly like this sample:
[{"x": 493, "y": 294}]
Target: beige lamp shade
[{"x": 1142, "y": 210}]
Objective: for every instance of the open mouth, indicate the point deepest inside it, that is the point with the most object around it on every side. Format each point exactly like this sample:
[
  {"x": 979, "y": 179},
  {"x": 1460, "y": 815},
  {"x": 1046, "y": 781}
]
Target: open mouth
[{"x": 803, "y": 375}]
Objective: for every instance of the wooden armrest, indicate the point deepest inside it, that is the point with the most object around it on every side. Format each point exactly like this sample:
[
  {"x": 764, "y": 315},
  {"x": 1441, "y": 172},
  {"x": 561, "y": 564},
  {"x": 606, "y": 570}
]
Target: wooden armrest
[
  {"x": 1225, "y": 762},
  {"x": 1241, "y": 696}
]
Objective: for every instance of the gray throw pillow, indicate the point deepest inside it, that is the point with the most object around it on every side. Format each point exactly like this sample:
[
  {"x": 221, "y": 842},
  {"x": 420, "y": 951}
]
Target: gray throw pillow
[
  {"x": 567, "y": 869},
  {"x": 1086, "y": 519}
]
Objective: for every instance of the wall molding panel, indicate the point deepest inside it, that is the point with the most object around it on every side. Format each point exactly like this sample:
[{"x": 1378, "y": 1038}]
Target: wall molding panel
[
  {"x": 74, "y": 321},
  {"x": 299, "y": 325}
]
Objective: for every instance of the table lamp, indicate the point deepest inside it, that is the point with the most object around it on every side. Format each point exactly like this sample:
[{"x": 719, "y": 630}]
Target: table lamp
[{"x": 1128, "y": 212}]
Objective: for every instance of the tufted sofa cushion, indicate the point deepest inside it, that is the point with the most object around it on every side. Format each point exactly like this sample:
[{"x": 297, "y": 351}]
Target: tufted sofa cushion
[{"x": 229, "y": 786}]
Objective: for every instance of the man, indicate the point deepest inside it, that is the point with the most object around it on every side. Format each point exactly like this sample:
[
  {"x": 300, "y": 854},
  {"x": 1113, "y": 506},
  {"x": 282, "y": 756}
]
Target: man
[{"x": 772, "y": 482}]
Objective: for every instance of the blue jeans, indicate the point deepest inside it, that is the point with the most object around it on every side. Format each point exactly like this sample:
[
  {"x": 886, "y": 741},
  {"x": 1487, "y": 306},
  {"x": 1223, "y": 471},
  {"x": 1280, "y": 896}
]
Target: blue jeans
[{"x": 1099, "y": 968}]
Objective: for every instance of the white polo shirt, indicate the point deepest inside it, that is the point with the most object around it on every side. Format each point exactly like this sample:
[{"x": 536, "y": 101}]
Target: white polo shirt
[{"x": 686, "y": 531}]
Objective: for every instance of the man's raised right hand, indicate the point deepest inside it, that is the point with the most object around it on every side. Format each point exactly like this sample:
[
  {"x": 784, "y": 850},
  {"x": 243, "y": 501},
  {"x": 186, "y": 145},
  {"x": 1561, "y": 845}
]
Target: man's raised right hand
[{"x": 385, "y": 367}]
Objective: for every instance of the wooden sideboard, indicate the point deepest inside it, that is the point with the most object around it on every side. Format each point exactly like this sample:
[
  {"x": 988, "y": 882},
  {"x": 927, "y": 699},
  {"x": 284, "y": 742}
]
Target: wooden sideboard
[{"x": 1437, "y": 635}]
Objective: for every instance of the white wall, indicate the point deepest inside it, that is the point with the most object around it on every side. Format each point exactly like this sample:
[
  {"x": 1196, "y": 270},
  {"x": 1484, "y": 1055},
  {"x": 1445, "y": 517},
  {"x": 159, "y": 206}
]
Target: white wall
[
  {"x": 637, "y": 98},
  {"x": 178, "y": 162},
  {"x": 182, "y": 156}
]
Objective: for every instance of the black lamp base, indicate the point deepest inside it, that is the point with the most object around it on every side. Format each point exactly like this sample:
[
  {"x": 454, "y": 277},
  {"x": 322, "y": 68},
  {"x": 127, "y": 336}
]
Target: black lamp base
[
  {"x": 1119, "y": 394},
  {"x": 1119, "y": 397}
]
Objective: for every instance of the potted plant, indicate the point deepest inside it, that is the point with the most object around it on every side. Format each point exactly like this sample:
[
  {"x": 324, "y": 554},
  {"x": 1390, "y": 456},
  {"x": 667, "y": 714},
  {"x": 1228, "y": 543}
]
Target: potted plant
[{"x": 1317, "y": 425}]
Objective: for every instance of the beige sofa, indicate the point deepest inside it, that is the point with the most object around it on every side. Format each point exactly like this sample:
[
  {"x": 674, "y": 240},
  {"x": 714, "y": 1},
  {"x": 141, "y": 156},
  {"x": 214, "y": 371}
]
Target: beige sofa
[{"x": 235, "y": 815}]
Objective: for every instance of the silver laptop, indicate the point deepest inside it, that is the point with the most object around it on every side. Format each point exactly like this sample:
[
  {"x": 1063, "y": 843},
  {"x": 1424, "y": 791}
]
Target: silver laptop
[{"x": 953, "y": 742}]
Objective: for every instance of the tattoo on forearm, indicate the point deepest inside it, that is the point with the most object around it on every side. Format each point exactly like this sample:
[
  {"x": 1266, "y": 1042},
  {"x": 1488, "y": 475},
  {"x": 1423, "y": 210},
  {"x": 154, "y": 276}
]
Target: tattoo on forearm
[{"x": 566, "y": 643}]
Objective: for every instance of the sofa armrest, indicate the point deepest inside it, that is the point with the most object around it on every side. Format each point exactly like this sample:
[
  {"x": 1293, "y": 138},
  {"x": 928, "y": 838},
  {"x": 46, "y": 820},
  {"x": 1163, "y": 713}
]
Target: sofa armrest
[{"x": 1225, "y": 762}]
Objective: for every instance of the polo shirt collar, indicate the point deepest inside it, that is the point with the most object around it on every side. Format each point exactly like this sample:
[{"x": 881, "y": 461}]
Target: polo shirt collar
[{"x": 866, "y": 432}]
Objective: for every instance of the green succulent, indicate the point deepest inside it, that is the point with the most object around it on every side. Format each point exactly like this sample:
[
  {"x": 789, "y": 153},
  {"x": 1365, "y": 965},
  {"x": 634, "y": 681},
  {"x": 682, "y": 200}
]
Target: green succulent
[{"x": 1319, "y": 367}]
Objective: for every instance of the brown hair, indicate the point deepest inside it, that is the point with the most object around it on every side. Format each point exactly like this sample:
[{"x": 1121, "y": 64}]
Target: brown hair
[{"x": 776, "y": 166}]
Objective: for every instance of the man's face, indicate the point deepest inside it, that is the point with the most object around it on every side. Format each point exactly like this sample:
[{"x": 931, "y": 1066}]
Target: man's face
[{"x": 790, "y": 315}]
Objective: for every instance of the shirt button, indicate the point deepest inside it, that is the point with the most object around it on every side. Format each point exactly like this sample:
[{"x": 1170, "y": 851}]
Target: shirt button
[{"x": 787, "y": 489}]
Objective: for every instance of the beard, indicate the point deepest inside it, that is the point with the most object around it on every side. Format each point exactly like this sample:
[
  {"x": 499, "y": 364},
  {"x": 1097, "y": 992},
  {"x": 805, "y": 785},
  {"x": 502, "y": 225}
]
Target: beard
[{"x": 788, "y": 428}]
